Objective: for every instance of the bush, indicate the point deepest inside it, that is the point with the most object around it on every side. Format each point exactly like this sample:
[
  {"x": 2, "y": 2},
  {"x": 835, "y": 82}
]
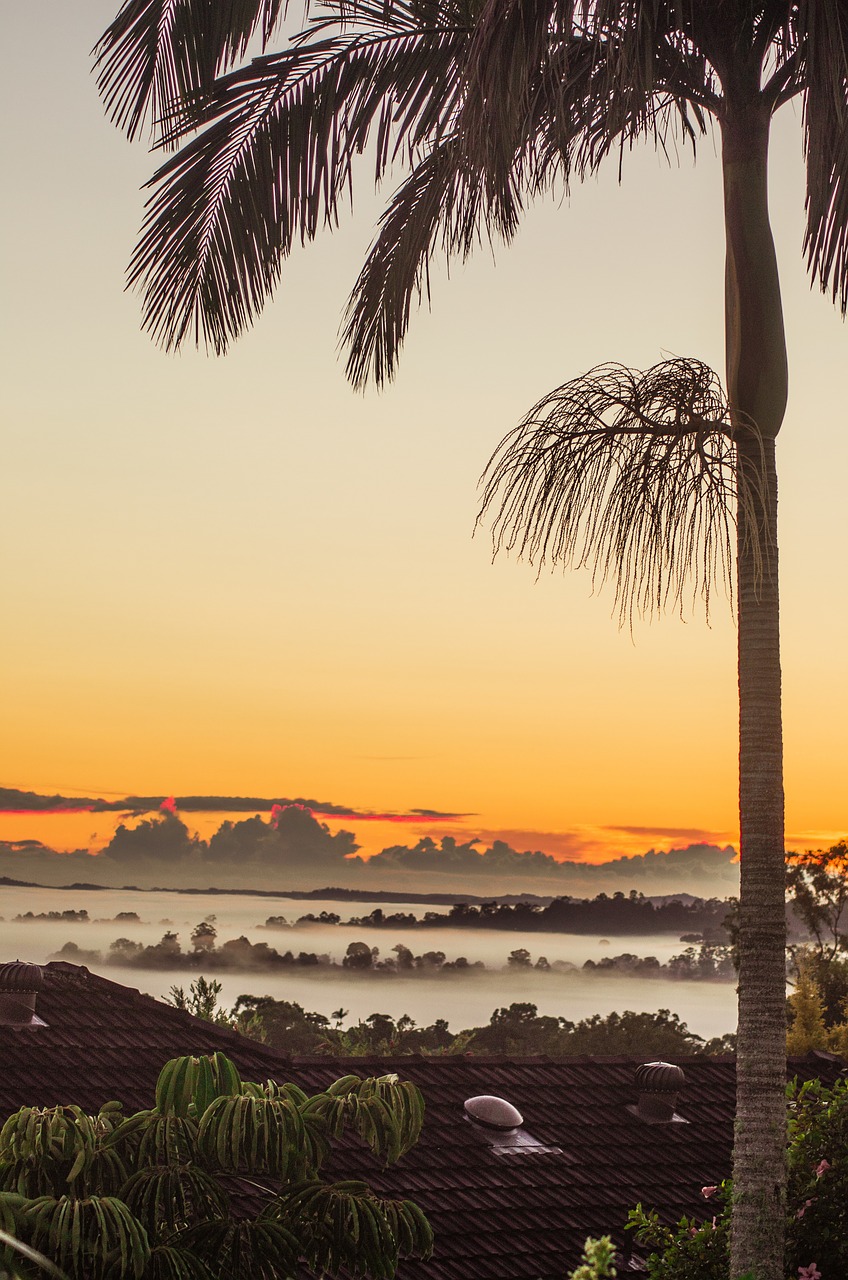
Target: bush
[
  {"x": 147, "y": 1197},
  {"x": 817, "y": 1202}
]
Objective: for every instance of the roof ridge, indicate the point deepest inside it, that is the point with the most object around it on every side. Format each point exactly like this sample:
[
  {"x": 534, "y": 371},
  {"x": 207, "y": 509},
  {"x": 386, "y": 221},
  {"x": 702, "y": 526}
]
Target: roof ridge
[{"x": 79, "y": 973}]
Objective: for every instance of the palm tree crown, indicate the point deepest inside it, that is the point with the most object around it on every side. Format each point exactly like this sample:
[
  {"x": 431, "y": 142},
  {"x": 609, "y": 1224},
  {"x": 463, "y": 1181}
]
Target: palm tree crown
[{"x": 484, "y": 102}]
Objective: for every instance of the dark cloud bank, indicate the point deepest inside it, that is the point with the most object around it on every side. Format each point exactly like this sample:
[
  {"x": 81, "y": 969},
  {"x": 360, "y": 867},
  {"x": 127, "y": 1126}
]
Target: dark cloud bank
[{"x": 294, "y": 850}]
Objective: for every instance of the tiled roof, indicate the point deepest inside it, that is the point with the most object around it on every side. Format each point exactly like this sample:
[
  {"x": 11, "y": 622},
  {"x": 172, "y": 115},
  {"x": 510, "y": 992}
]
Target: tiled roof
[
  {"x": 520, "y": 1215},
  {"x": 105, "y": 1041}
]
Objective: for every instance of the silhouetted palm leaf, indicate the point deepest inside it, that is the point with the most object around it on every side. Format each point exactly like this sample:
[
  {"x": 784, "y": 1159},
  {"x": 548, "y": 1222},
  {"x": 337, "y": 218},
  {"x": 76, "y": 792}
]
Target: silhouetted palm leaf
[
  {"x": 492, "y": 100},
  {"x": 275, "y": 163},
  {"x": 631, "y": 474},
  {"x": 159, "y": 57}
]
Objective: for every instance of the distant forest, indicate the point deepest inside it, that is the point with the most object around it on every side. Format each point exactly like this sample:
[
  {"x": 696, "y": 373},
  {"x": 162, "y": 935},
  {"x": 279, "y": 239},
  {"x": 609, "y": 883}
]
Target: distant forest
[
  {"x": 620, "y": 914},
  {"x": 706, "y": 963}
]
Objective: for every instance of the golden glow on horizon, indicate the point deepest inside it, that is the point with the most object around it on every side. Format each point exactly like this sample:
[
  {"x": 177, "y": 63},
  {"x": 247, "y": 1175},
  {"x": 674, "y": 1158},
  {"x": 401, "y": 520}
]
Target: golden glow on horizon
[
  {"x": 592, "y": 845},
  {"x": 238, "y": 577}
]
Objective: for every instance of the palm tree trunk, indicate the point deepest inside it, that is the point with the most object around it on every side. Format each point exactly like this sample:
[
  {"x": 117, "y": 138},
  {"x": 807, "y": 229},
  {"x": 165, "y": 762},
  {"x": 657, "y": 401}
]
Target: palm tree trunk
[{"x": 757, "y": 387}]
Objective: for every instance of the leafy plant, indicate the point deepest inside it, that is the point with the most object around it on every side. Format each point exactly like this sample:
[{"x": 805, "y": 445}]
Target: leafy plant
[
  {"x": 597, "y": 1260},
  {"x": 147, "y": 1197},
  {"x": 817, "y": 1202}
]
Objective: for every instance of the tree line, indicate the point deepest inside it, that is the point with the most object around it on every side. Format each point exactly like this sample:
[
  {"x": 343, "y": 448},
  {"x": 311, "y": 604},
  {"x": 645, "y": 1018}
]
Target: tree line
[
  {"x": 242, "y": 955},
  {"x": 518, "y": 1028}
]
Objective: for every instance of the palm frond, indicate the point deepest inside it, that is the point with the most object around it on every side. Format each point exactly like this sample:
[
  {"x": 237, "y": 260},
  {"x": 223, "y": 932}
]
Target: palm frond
[
  {"x": 43, "y": 1150},
  {"x": 274, "y": 165},
  {"x": 160, "y": 56},
  {"x": 169, "y": 1262},
  {"x": 264, "y": 1135},
  {"x": 604, "y": 73},
  {"x": 185, "y": 1088},
  {"x": 441, "y": 202},
  {"x": 630, "y": 474},
  {"x": 823, "y": 49}
]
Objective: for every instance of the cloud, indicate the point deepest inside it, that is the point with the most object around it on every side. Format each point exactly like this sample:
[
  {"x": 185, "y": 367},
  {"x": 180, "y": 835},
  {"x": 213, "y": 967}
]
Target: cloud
[
  {"x": 291, "y": 848},
  {"x": 164, "y": 839},
  {"x": 701, "y": 862},
  {"x": 13, "y": 801},
  {"x": 292, "y": 840}
]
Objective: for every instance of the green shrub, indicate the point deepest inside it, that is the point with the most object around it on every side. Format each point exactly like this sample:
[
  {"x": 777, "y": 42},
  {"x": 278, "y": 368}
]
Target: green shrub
[{"x": 817, "y": 1202}]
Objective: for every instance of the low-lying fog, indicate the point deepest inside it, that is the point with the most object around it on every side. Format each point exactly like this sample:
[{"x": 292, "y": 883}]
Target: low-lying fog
[{"x": 709, "y": 1008}]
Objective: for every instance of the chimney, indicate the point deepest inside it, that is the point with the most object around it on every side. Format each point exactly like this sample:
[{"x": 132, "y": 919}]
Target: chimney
[
  {"x": 20, "y": 984},
  {"x": 658, "y": 1084}
]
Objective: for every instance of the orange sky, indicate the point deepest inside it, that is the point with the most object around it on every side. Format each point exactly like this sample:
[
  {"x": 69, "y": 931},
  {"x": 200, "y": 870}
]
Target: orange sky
[{"x": 238, "y": 577}]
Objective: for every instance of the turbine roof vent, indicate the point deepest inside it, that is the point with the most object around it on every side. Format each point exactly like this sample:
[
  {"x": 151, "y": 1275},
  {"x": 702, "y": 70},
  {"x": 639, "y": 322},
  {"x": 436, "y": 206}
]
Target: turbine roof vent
[
  {"x": 660, "y": 1077},
  {"x": 493, "y": 1113},
  {"x": 19, "y": 976},
  {"x": 659, "y": 1084},
  {"x": 20, "y": 984}
]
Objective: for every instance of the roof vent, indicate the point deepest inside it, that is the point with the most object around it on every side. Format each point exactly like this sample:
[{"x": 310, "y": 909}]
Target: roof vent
[
  {"x": 659, "y": 1084},
  {"x": 493, "y": 1113},
  {"x": 498, "y": 1124},
  {"x": 19, "y": 987}
]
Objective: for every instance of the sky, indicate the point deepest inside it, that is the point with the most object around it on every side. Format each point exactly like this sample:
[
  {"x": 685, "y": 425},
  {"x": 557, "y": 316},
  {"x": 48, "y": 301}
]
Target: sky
[{"x": 238, "y": 576}]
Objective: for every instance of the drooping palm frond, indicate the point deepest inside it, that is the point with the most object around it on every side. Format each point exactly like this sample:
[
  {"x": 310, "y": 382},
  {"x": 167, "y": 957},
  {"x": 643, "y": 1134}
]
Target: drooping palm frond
[
  {"x": 275, "y": 164},
  {"x": 439, "y": 204},
  {"x": 266, "y": 1135},
  {"x": 158, "y": 1139},
  {"x": 158, "y": 57},
  {"x": 169, "y": 1262},
  {"x": 630, "y": 474},
  {"x": 186, "y": 1087},
  {"x": 822, "y": 52},
  {"x": 44, "y": 1150}
]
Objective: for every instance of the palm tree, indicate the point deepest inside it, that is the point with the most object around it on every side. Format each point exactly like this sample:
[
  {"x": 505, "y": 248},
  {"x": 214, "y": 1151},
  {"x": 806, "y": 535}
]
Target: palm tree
[{"x": 488, "y": 103}]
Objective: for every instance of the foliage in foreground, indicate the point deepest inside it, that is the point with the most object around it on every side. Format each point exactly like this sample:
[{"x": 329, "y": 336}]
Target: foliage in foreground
[
  {"x": 161, "y": 1195},
  {"x": 817, "y": 1200}
]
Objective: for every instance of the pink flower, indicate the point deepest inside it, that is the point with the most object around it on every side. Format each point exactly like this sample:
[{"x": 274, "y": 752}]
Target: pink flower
[
  {"x": 809, "y": 1273},
  {"x": 708, "y": 1192},
  {"x": 822, "y": 1168},
  {"x": 799, "y": 1214}
]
